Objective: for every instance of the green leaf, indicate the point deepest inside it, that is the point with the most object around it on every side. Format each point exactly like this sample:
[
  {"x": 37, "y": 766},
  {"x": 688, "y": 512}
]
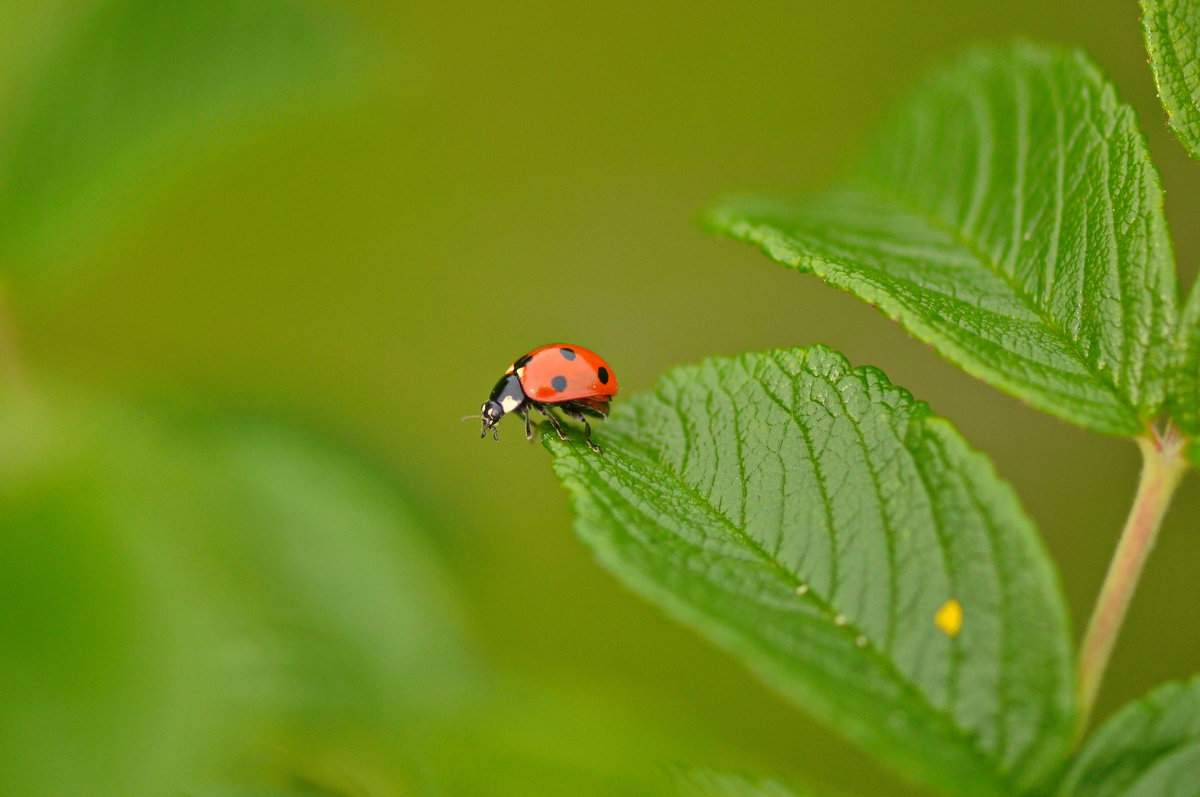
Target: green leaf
[
  {"x": 703, "y": 783},
  {"x": 219, "y": 791},
  {"x": 1151, "y": 748},
  {"x": 351, "y": 594},
  {"x": 100, "y": 692},
  {"x": 335, "y": 619},
  {"x": 1185, "y": 386},
  {"x": 1172, "y": 29},
  {"x": 1009, "y": 215},
  {"x": 180, "y": 594},
  {"x": 136, "y": 91},
  {"x": 822, "y": 525},
  {"x": 528, "y": 738}
]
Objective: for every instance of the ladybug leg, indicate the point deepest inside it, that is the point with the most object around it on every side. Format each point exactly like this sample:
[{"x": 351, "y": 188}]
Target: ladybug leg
[
  {"x": 573, "y": 412},
  {"x": 553, "y": 421},
  {"x": 528, "y": 428}
]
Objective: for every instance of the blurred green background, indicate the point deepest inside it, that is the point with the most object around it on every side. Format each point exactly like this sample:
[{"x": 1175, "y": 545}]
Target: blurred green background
[{"x": 260, "y": 256}]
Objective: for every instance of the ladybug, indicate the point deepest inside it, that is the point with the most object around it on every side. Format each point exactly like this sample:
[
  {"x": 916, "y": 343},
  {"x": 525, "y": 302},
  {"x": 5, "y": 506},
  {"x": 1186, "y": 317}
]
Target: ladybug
[{"x": 570, "y": 378}]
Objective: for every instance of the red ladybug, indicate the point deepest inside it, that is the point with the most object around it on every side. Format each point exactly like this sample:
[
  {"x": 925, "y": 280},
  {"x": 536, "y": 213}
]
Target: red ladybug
[{"x": 570, "y": 378}]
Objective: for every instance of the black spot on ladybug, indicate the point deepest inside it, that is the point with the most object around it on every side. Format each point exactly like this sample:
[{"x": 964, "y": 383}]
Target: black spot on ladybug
[
  {"x": 602, "y": 372},
  {"x": 568, "y": 353},
  {"x": 559, "y": 383}
]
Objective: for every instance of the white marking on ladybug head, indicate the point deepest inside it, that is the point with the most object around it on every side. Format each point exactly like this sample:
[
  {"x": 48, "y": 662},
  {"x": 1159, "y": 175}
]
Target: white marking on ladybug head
[{"x": 509, "y": 403}]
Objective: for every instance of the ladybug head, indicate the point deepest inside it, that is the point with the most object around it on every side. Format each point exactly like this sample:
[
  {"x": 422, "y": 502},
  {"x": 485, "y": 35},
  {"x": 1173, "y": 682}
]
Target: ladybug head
[
  {"x": 508, "y": 395},
  {"x": 490, "y": 414}
]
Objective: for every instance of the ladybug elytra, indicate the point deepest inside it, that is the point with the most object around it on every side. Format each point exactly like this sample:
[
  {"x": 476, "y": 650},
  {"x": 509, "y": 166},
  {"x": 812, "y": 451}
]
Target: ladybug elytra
[{"x": 568, "y": 378}]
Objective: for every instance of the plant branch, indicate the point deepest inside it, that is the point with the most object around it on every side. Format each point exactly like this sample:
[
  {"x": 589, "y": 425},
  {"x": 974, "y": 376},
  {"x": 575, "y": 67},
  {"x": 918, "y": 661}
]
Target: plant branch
[{"x": 1163, "y": 466}]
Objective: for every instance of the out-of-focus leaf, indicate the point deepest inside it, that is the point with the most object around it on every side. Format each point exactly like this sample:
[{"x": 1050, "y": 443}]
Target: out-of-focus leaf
[
  {"x": 1151, "y": 748},
  {"x": 1011, "y": 217},
  {"x": 703, "y": 783},
  {"x": 99, "y": 692},
  {"x": 525, "y": 734},
  {"x": 1172, "y": 29},
  {"x": 137, "y": 89},
  {"x": 183, "y": 600},
  {"x": 556, "y": 739},
  {"x": 822, "y": 525},
  {"x": 338, "y": 567},
  {"x": 337, "y": 623},
  {"x": 231, "y": 791}
]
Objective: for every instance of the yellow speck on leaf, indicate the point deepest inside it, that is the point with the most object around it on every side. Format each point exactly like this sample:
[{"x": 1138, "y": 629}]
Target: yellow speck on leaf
[{"x": 949, "y": 618}]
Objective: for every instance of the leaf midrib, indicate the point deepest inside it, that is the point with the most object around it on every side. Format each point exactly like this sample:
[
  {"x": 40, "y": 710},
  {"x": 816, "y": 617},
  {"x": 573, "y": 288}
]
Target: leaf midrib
[
  {"x": 888, "y": 668},
  {"x": 1162, "y": 755},
  {"x": 1152, "y": 761},
  {"x": 885, "y": 521}
]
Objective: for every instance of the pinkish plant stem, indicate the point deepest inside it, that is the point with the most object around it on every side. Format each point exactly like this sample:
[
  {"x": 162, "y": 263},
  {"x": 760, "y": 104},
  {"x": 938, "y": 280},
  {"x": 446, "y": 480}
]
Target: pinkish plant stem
[{"x": 1163, "y": 466}]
